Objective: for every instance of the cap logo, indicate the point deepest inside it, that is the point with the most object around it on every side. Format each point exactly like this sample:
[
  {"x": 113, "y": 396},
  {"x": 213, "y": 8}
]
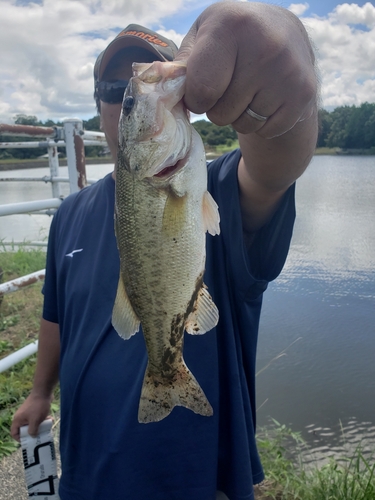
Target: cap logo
[{"x": 145, "y": 36}]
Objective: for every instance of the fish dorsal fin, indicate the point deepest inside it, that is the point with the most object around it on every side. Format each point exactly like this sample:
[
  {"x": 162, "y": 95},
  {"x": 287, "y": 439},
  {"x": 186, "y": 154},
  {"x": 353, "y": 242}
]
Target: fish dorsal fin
[
  {"x": 205, "y": 315},
  {"x": 124, "y": 319},
  {"x": 211, "y": 217}
]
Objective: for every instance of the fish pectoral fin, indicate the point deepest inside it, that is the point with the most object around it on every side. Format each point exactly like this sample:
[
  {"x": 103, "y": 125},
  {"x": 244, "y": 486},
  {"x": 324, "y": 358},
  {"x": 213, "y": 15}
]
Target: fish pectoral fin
[
  {"x": 174, "y": 215},
  {"x": 204, "y": 316},
  {"x": 211, "y": 217},
  {"x": 124, "y": 319}
]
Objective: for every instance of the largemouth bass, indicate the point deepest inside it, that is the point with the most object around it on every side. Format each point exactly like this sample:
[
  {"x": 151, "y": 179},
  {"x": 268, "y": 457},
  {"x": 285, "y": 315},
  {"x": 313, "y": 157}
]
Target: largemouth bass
[{"x": 162, "y": 212}]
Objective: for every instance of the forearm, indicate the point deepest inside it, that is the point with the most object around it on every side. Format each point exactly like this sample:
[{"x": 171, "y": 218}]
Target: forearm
[
  {"x": 270, "y": 166},
  {"x": 47, "y": 367}
]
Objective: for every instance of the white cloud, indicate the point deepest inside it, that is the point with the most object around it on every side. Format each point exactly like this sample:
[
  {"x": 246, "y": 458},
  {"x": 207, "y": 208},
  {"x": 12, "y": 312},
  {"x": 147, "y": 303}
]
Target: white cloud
[
  {"x": 345, "y": 42},
  {"x": 298, "y": 8},
  {"x": 48, "y": 49},
  {"x": 354, "y": 14}
]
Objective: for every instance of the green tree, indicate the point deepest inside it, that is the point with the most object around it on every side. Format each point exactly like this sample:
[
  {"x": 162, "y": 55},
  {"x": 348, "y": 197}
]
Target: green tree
[
  {"x": 92, "y": 124},
  {"x": 213, "y": 135},
  {"x": 369, "y": 132},
  {"x": 338, "y": 134},
  {"x": 359, "y": 127},
  {"x": 325, "y": 123},
  {"x": 26, "y": 120}
]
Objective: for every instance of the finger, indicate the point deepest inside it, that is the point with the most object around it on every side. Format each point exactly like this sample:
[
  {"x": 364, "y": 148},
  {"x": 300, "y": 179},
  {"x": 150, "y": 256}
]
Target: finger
[
  {"x": 34, "y": 427},
  {"x": 210, "y": 64},
  {"x": 187, "y": 45},
  {"x": 15, "y": 433},
  {"x": 282, "y": 112},
  {"x": 15, "y": 427}
]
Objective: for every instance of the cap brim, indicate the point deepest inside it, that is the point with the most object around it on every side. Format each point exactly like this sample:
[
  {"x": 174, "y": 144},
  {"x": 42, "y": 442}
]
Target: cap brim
[{"x": 124, "y": 42}]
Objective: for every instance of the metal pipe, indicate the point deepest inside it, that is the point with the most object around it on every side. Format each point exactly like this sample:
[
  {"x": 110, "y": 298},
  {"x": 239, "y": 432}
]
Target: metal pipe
[
  {"x": 18, "y": 283},
  {"x": 53, "y": 160},
  {"x": 24, "y": 243},
  {"x": 80, "y": 160},
  {"x": 29, "y": 206},
  {"x": 75, "y": 152},
  {"x": 92, "y": 135},
  {"x": 39, "y": 144},
  {"x": 18, "y": 356},
  {"x": 45, "y": 178},
  {"x": 46, "y": 144},
  {"x": 33, "y": 130}
]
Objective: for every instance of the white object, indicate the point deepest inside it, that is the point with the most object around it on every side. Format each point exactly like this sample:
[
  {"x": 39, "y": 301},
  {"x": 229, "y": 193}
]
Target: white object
[
  {"x": 18, "y": 356},
  {"x": 39, "y": 460}
]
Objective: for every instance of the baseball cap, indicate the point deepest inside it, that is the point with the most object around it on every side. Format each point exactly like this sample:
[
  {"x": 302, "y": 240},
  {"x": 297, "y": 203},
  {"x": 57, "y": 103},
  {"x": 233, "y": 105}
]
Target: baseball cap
[{"x": 135, "y": 36}]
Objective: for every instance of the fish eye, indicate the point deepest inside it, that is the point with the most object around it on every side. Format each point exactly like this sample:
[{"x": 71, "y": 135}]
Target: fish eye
[{"x": 128, "y": 104}]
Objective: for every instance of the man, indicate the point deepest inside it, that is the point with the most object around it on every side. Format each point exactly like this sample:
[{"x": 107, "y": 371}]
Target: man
[{"x": 250, "y": 65}]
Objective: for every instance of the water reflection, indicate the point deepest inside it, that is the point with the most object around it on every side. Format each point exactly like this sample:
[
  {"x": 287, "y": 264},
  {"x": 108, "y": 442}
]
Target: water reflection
[
  {"x": 339, "y": 441},
  {"x": 34, "y": 227},
  {"x": 325, "y": 385}
]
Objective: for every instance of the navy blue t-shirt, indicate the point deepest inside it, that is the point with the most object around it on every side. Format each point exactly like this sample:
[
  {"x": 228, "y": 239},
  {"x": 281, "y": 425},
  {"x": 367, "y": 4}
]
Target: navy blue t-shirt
[{"x": 105, "y": 452}]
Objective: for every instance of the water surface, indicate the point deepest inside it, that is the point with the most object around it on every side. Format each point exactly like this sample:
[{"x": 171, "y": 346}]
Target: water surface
[
  {"x": 323, "y": 304},
  {"x": 319, "y": 314}
]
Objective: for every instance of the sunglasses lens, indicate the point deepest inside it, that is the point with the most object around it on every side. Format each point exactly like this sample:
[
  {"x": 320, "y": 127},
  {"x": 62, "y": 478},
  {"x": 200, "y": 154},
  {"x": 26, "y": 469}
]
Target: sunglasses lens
[{"x": 111, "y": 92}]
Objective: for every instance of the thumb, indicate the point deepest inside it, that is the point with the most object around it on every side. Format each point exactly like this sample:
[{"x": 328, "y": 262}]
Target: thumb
[
  {"x": 33, "y": 427},
  {"x": 18, "y": 422},
  {"x": 34, "y": 424}
]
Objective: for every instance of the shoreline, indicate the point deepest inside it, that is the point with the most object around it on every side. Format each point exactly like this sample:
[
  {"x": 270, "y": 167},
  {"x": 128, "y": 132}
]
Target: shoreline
[{"x": 26, "y": 164}]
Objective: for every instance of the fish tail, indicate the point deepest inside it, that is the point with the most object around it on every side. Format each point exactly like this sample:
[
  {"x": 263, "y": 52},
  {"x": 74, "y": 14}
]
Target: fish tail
[{"x": 159, "y": 397}]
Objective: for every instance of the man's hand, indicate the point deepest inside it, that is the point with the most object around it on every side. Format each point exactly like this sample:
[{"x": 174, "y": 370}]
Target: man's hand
[
  {"x": 36, "y": 407},
  {"x": 32, "y": 412},
  {"x": 250, "y": 54}
]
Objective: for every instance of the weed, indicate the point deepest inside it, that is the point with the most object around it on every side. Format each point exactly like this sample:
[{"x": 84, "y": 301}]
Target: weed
[
  {"x": 346, "y": 478},
  {"x": 19, "y": 324},
  {"x": 21, "y": 261}
]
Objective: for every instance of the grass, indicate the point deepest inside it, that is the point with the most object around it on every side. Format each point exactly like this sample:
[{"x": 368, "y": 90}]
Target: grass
[
  {"x": 327, "y": 151},
  {"x": 19, "y": 324},
  {"x": 287, "y": 478},
  {"x": 6, "y": 161},
  {"x": 282, "y": 451}
]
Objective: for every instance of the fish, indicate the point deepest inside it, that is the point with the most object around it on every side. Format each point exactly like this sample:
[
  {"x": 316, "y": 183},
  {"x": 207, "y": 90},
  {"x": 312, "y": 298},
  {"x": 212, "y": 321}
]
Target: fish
[{"x": 162, "y": 213}]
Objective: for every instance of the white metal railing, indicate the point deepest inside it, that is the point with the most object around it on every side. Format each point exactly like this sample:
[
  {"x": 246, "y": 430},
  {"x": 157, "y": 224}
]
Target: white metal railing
[
  {"x": 18, "y": 356},
  {"x": 13, "y": 286},
  {"x": 73, "y": 138}
]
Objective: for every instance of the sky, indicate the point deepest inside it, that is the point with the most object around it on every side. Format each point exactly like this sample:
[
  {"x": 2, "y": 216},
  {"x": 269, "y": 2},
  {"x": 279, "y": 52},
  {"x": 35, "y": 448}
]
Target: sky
[{"x": 48, "y": 48}]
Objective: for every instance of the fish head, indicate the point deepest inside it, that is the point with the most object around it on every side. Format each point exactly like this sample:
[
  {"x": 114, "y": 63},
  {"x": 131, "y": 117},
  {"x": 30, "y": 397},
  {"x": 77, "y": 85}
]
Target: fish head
[{"x": 154, "y": 128}]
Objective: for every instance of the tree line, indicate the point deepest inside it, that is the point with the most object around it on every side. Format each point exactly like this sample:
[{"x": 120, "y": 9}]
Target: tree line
[{"x": 346, "y": 127}]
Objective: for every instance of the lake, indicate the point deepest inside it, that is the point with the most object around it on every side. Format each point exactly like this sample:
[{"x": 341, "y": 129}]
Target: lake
[{"x": 316, "y": 355}]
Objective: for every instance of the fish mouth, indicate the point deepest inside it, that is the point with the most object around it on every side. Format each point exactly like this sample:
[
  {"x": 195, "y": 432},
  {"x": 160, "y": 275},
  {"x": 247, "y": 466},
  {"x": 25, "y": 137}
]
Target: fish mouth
[{"x": 167, "y": 172}]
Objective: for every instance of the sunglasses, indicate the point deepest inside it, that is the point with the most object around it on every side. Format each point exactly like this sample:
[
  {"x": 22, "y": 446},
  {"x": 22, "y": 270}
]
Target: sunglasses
[{"x": 111, "y": 92}]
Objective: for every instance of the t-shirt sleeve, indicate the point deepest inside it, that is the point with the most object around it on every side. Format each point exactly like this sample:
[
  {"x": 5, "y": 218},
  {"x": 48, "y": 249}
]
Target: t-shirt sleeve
[{"x": 263, "y": 261}]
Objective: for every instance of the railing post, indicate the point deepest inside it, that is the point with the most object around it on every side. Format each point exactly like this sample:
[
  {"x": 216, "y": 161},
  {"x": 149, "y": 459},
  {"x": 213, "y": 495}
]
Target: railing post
[
  {"x": 53, "y": 159},
  {"x": 75, "y": 153}
]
